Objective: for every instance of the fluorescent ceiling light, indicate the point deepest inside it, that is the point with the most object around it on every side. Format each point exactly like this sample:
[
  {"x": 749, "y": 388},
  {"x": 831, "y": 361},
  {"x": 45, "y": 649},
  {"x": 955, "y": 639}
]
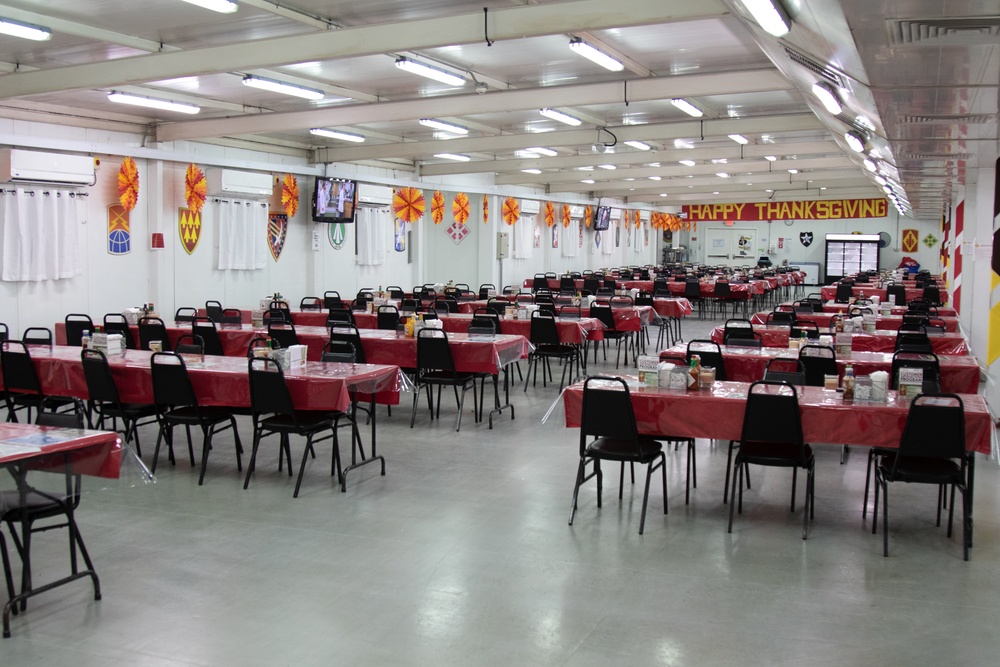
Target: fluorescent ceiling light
[
  {"x": 221, "y": 6},
  {"x": 24, "y": 30},
  {"x": 639, "y": 145},
  {"x": 532, "y": 171},
  {"x": 443, "y": 126},
  {"x": 653, "y": 164},
  {"x": 880, "y": 180},
  {"x": 770, "y": 15},
  {"x": 688, "y": 163},
  {"x": 855, "y": 141},
  {"x": 655, "y": 178},
  {"x": 413, "y": 67},
  {"x": 663, "y": 194},
  {"x": 720, "y": 160},
  {"x": 587, "y": 168},
  {"x": 548, "y": 152},
  {"x": 283, "y": 88},
  {"x": 722, "y": 174},
  {"x": 152, "y": 103},
  {"x": 825, "y": 93},
  {"x": 770, "y": 158},
  {"x": 560, "y": 116},
  {"x": 334, "y": 134},
  {"x": 453, "y": 156},
  {"x": 587, "y": 180},
  {"x": 739, "y": 138},
  {"x": 609, "y": 167},
  {"x": 687, "y": 108},
  {"x": 793, "y": 171},
  {"x": 870, "y": 166},
  {"x": 600, "y": 57}
]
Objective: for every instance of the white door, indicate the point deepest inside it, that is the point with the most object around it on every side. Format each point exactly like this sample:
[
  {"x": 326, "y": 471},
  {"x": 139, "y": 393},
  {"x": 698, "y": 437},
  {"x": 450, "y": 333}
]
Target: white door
[{"x": 730, "y": 246}]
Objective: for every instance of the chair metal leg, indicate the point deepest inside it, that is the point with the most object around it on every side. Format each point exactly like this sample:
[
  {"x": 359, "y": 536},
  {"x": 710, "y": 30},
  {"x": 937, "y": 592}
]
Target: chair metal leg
[{"x": 576, "y": 488}]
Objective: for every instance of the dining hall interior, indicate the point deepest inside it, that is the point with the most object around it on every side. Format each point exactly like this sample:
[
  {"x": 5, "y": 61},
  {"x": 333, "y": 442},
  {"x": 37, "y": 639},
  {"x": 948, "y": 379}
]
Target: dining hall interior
[{"x": 282, "y": 183}]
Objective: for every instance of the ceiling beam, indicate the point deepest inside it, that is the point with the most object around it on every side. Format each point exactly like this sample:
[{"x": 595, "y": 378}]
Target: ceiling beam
[{"x": 507, "y": 23}]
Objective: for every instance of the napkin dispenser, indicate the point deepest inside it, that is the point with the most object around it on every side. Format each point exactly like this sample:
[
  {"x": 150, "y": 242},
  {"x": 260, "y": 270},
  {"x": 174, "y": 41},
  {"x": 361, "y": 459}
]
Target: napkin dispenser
[{"x": 295, "y": 356}]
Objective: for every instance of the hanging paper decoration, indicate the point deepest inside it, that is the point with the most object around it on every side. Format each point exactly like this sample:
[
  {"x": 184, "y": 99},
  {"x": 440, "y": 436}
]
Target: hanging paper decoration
[
  {"x": 195, "y": 189},
  {"x": 460, "y": 208},
  {"x": 565, "y": 215},
  {"x": 408, "y": 204},
  {"x": 289, "y": 196},
  {"x": 550, "y": 214},
  {"x": 486, "y": 210},
  {"x": 128, "y": 184},
  {"x": 628, "y": 219},
  {"x": 637, "y": 219},
  {"x": 437, "y": 207},
  {"x": 654, "y": 219},
  {"x": 586, "y": 215},
  {"x": 511, "y": 210}
]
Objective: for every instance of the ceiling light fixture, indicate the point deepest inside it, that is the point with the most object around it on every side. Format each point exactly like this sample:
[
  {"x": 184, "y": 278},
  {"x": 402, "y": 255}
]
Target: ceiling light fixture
[
  {"x": 152, "y": 103},
  {"x": 722, "y": 174},
  {"x": 30, "y": 31},
  {"x": 663, "y": 194},
  {"x": 870, "y": 166},
  {"x": 655, "y": 178},
  {"x": 560, "y": 116},
  {"x": 547, "y": 152},
  {"x": 443, "y": 126},
  {"x": 414, "y": 67},
  {"x": 453, "y": 156},
  {"x": 221, "y": 6},
  {"x": 825, "y": 93},
  {"x": 595, "y": 55},
  {"x": 793, "y": 171},
  {"x": 283, "y": 88},
  {"x": 639, "y": 145},
  {"x": 688, "y": 163},
  {"x": 770, "y": 158},
  {"x": 687, "y": 107},
  {"x": 739, "y": 138},
  {"x": 334, "y": 134},
  {"x": 532, "y": 171},
  {"x": 587, "y": 180},
  {"x": 880, "y": 180},
  {"x": 609, "y": 167},
  {"x": 587, "y": 168},
  {"x": 855, "y": 141},
  {"x": 769, "y": 15}
]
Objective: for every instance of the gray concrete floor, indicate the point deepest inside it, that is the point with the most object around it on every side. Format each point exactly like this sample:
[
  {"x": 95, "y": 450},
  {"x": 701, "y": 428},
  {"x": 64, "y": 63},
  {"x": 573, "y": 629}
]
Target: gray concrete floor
[{"x": 461, "y": 555}]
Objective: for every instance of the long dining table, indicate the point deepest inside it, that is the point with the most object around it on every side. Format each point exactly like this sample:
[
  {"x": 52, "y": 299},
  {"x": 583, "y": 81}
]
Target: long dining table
[
  {"x": 886, "y": 322},
  {"x": 880, "y": 341},
  {"x": 829, "y": 292},
  {"x": 959, "y": 373},
  {"x": 842, "y": 308}
]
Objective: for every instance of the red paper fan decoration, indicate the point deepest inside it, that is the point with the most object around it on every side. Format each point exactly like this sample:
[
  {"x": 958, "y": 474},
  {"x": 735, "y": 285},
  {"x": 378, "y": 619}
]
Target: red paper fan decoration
[
  {"x": 511, "y": 210},
  {"x": 290, "y": 194},
  {"x": 460, "y": 208},
  {"x": 437, "y": 207},
  {"x": 408, "y": 204},
  {"x": 128, "y": 184},
  {"x": 195, "y": 188}
]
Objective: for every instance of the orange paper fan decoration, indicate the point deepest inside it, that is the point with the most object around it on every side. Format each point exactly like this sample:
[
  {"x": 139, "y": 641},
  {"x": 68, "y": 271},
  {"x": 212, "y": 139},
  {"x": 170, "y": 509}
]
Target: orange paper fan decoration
[
  {"x": 637, "y": 219},
  {"x": 460, "y": 208},
  {"x": 550, "y": 214},
  {"x": 437, "y": 207},
  {"x": 511, "y": 210},
  {"x": 128, "y": 184},
  {"x": 195, "y": 188},
  {"x": 565, "y": 215},
  {"x": 408, "y": 204},
  {"x": 587, "y": 212},
  {"x": 628, "y": 219},
  {"x": 290, "y": 194},
  {"x": 486, "y": 210}
]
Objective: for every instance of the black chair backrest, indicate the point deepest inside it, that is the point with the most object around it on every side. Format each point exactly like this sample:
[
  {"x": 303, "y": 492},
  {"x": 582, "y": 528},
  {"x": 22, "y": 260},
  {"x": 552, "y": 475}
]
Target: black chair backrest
[
  {"x": 607, "y": 412},
  {"x": 283, "y": 333},
  {"x": 819, "y": 361},
  {"x": 574, "y": 312},
  {"x": 430, "y": 314},
  {"x": 907, "y": 341},
  {"x": 153, "y": 328},
  {"x": 497, "y": 306},
  {"x": 792, "y": 371},
  {"x": 339, "y": 351},
  {"x": 339, "y": 316},
  {"x": 543, "y": 329},
  {"x": 204, "y": 327},
  {"x": 844, "y": 292},
  {"x": 97, "y": 374},
  {"x": 483, "y": 324},
  {"x": 190, "y": 344},
  {"x": 115, "y": 323},
  {"x": 268, "y": 391},
  {"x": 737, "y": 328},
  {"x": 350, "y": 334},
  {"x": 19, "y": 375},
  {"x": 897, "y": 291},
  {"x": 781, "y": 317},
  {"x": 591, "y": 285},
  {"x": 711, "y": 355},
  {"x": 932, "y": 294},
  {"x": 914, "y": 322},
  {"x": 722, "y": 288},
  {"x": 213, "y": 309},
  {"x": 387, "y": 317},
  {"x": 935, "y": 427},
  {"x": 753, "y": 340},
  {"x": 257, "y": 343},
  {"x": 231, "y": 316},
  {"x": 927, "y": 362},
  {"x": 37, "y": 336},
  {"x": 395, "y": 292},
  {"x": 602, "y": 311},
  {"x": 692, "y": 289},
  {"x": 311, "y": 303},
  {"x": 171, "y": 384},
  {"x": 433, "y": 351},
  {"x": 567, "y": 285},
  {"x": 276, "y": 315},
  {"x": 185, "y": 314},
  {"x": 808, "y": 329},
  {"x": 76, "y": 324},
  {"x": 331, "y": 299},
  {"x": 772, "y": 415},
  {"x": 4, "y": 332},
  {"x": 857, "y": 311}
]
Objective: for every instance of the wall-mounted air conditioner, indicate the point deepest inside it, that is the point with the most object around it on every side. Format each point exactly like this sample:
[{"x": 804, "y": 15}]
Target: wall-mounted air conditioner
[
  {"x": 375, "y": 196},
  {"x": 644, "y": 214},
  {"x": 616, "y": 214},
  {"x": 530, "y": 206},
  {"x": 21, "y": 166},
  {"x": 233, "y": 183},
  {"x": 576, "y": 211}
]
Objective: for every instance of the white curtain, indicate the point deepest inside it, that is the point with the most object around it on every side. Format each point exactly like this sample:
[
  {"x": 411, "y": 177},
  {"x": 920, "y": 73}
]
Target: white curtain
[
  {"x": 242, "y": 234},
  {"x": 523, "y": 237},
  {"x": 571, "y": 238},
  {"x": 40, "y": 234},
  {"x": 608, "y": 240},
  {"x": 373, "y": 234},
  {"x": 638, "y": 235}
]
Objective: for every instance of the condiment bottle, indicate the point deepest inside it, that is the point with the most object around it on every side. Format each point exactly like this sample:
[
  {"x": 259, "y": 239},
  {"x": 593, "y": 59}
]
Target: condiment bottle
[
  {"x": 694, "y": 371},
  {"x": 849, "y": 383},
  {"x": 85, "y": 339}
]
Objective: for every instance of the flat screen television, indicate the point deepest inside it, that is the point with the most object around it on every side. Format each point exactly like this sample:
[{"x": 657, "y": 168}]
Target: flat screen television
[
  {"x": 602, "y": 218},
  {"x": 334, "y": 200}
]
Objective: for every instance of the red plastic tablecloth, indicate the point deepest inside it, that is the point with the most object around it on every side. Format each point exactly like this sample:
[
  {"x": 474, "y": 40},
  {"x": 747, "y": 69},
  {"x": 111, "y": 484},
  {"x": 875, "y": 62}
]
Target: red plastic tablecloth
[
  {"x": 826, "y": 418},
  {"x": 665, "y": 307},
  {"x": 880, "y": 341},
  {"x": 833, "y": 307},
  {"x": 887, "y": 323},
  {"x": 959, "y": 374},
  {"x": 912, "y": 293},
  {"x": 96, "y": 453},
  {"x": 628, "y": 318},
  {"x": 572, "y": 331},
  {"x": 737, "y": 290},
  {"x": 471, "y": 354},
  {"x": 216, "y": 380}
]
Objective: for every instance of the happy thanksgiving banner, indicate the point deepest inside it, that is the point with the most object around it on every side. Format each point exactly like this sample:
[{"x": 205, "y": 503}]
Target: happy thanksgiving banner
[{"x": 828, "y": 209}]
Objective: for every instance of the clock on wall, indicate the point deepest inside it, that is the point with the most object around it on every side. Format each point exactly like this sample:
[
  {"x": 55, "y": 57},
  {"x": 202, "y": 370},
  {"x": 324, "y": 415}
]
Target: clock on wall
[{"x": 789, "y": 223}]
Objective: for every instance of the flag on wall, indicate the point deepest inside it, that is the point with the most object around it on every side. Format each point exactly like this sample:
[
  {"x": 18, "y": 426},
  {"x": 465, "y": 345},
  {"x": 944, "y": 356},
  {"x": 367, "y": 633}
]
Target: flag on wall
[
  {"x": 910, "y": 240},
  {"x": 189, "y": 228},
  {"x": 277, "y": 231},
  {"x": 119, "y": 230}
]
